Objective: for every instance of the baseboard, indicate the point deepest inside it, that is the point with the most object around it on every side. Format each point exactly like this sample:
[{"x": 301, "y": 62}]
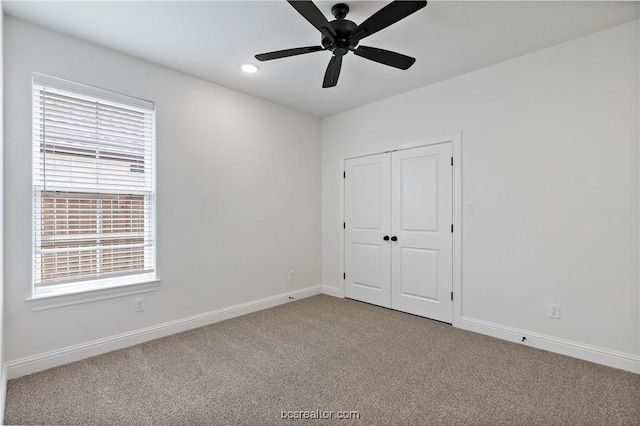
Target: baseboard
[
  {"x": 621, "y": 360},
  {"x": 332, "y": 291},
  {"x": 3, "y": 392},
  {"x": 43, "y": 361}
]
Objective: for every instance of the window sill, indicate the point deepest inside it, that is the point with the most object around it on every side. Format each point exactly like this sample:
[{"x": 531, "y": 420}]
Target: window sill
[{"x": 50, "y": 301}]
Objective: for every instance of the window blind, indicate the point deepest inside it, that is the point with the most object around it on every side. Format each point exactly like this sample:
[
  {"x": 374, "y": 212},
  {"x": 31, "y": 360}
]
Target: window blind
[{"x": 93, "y": 184}]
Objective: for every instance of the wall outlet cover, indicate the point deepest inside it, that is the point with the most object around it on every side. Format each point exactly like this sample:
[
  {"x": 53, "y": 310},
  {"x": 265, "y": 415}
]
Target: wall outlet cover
[{"x": 554, "y": 311}]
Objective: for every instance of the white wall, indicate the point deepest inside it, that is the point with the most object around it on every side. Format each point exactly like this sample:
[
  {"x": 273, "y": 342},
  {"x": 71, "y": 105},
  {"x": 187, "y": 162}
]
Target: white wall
[
  {"x": 239, "y": 194},
  {"x": 3, "y": 378},
  {"x": 550, "y": 161}
]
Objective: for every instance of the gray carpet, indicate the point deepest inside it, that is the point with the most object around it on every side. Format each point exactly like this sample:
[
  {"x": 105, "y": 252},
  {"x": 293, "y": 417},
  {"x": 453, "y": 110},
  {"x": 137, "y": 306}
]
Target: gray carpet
[{"x": 324, "y": 353}]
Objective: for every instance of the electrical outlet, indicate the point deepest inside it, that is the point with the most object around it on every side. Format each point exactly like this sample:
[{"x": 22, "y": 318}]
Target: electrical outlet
[
  {"x": 140, "y": 304},
  {"x": 554, "y": 311},
  {"x": 292, "y": 275}
]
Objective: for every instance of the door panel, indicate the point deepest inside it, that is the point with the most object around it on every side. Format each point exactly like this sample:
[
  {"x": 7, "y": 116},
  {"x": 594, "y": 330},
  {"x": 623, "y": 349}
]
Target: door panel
[
  {"x": 366, "y": 196},
  {"x": 367, "y": 221},
  {"x": 421, "y": 212},
  {"x": 419, "y": 185},
  {"x": 420, "y": 272},
  {"x": 367, "y": 259}
]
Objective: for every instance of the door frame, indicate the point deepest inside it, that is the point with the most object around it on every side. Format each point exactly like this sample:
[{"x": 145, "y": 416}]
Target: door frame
[{"x": 456, "y": 142}]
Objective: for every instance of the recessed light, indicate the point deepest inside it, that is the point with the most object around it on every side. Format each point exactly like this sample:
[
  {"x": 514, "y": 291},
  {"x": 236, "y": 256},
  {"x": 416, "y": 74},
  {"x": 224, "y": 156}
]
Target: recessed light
[{"x": 249, "y": 68}]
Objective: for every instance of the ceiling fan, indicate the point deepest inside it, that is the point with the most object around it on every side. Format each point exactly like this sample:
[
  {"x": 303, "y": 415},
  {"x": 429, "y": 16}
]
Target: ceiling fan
[{"x": 342, "y": 36}]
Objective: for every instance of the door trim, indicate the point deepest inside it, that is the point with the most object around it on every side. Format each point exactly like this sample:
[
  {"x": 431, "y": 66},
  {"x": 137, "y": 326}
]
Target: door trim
[{"x": 456, "y": 141}]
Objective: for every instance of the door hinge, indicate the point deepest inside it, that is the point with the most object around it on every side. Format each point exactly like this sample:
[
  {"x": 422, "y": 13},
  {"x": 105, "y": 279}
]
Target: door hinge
[
  {"x": 452, "y": 227},
  {"x": 451, "y": 295},
  {"x": 344, "y": 175},
  {"x": 452, "y": 161},
  {"x": 344, "y": 276},
  {"x": 344, "y": 225}
]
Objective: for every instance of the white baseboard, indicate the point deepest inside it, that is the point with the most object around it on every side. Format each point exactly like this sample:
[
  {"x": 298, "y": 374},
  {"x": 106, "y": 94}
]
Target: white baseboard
[
  {"x": 3, "y": 392},
  {"x": 332, "y": 291},
  {"x": 43, "y": 361},
  {"x": 621, "y": 360}
]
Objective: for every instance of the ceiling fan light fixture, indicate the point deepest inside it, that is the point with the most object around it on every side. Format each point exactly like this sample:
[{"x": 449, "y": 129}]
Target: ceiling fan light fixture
[{"x": 249, "y": 68}]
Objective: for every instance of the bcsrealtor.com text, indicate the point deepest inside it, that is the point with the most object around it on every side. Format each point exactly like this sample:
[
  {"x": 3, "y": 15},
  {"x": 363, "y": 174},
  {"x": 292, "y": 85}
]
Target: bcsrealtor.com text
[{"x": 319, "y": 414}]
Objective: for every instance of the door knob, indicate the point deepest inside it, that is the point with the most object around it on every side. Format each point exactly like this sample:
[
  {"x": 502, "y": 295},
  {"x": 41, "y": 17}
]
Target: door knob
[
  {"x": 394, "y": 238},
  {"x": 386, "y": 238}
]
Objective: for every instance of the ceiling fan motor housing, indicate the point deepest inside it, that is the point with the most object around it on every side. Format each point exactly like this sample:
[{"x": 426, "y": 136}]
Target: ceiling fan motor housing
[{"x": 342, "y": 44}]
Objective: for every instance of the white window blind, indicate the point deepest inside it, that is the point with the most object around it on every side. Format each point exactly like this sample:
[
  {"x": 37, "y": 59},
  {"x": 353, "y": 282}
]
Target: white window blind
[{"x": 93, "y": 185}]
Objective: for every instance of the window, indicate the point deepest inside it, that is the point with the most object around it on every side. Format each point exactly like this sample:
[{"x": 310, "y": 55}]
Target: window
[{"x": 93, "y": 188}]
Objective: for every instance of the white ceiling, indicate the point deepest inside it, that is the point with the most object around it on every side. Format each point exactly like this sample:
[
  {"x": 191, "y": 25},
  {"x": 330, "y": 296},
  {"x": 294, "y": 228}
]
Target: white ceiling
[{"x": 211, "y": 39}]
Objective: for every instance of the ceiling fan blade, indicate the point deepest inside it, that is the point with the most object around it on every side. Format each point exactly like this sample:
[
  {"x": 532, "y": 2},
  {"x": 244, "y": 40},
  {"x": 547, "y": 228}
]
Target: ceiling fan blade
[
  {"x": 388, "y": 15},
  {"x": 333, "y": 72},
  {"x": 311, "y": 13},
  {"x": 386, "y": 57},
  {"x": 288, "y": 52}
]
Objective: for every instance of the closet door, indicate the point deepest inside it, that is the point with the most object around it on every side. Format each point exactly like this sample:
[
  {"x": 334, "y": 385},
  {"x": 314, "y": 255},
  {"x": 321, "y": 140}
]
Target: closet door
[
  {"x": 421, "y": 214},
  {"x": 367, "y": 222}
]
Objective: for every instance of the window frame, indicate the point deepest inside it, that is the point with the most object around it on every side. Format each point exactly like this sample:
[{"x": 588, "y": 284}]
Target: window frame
[{"x": 82, "y": 290}]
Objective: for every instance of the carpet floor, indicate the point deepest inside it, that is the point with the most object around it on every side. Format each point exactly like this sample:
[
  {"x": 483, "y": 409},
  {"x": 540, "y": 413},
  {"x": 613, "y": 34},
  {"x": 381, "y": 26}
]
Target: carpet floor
[{"x": 328, "y": 354}]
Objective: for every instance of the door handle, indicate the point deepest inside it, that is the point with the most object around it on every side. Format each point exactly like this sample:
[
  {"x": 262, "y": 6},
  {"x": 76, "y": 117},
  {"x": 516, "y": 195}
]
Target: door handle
[
  {"x": 394, "y": 238},
  {"x": 386, "y": 238}
]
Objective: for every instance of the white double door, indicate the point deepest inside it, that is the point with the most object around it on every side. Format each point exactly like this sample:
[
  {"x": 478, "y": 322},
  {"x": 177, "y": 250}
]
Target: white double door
[{"x": 398, "y": 230}]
